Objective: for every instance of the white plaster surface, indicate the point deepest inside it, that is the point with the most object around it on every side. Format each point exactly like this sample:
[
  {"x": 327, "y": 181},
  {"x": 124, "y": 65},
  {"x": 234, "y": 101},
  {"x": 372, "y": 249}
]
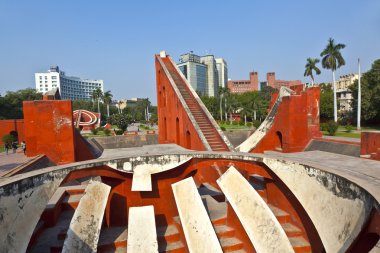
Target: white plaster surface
[
  {"x": 259, "y": 134},
  {"x": 199, "y": 232},
  {"x": 142, "y": 181},
  {"x": 142, "y": 237},
  {"x": 20, "y": 213},
  {"x": 84, "y": 230},
  {"x": 338, "y": 219},
  {"x": 262, "y": 227}
]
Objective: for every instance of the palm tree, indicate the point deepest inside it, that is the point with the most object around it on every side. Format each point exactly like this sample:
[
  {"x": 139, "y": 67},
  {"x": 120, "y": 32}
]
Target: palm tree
[
  {"x": 311, "y": 66},
  {"x": 97, "y": 95},
  {"x": 107, "y": 99},
  {"x": 333, "y": 59},
  {"x": 223, "y": 92}
]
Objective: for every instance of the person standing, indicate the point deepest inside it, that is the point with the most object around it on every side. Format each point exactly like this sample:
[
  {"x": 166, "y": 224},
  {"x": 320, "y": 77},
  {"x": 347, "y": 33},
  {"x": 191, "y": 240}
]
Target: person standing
[
  {"x": 6, "y": 147},
  {"x": 14, "y": 146},
  {"x": 23, "y": 146}
]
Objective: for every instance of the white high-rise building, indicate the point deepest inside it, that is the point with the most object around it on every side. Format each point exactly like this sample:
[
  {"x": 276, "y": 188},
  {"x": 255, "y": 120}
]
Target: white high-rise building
[
  {"x": 222, "y": 68},
  {"x": 70, "y": 87}
]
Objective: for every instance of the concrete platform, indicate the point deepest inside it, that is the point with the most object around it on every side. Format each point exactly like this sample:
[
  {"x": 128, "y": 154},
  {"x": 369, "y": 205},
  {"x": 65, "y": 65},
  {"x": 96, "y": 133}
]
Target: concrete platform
[{"x": 363, "y": 172}]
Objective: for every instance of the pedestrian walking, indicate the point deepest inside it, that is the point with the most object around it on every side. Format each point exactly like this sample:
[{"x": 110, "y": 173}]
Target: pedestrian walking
[
  {"x": 23, "y": 146},
  {"x": 14, "y": 146},
  {"x": 6, "y": 147}
]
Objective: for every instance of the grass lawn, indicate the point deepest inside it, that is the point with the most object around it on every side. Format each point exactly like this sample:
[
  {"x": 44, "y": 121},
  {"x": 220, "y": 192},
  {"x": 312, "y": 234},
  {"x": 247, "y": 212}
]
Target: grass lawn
[
  {"x": 99, "y": 134},
  {"x": 233, "y": 127},
  {"x": 344, "y": 134}
]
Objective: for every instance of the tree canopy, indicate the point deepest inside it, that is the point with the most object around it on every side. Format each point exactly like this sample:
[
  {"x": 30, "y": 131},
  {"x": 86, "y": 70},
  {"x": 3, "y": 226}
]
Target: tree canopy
[
  {"x": 311, "y": 66},
  {"x": 332, "y": 57},
  {"x": 246, "y": 103},
  {"x": 326, "y": 106},
  {"x": 11, "y": 103},
  {"x": 370, "y": 98}
]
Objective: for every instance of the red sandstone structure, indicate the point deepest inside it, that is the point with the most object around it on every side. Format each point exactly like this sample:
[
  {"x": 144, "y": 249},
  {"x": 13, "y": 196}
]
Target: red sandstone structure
[
  {"x": 241, "y": 86},
  {"x": 86, "y": 120},
  {"x": 165, "y": 198}
]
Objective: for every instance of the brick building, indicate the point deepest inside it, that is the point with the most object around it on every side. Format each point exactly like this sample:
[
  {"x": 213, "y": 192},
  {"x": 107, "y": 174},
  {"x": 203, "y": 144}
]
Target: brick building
[{"x": 241, "y": 86}]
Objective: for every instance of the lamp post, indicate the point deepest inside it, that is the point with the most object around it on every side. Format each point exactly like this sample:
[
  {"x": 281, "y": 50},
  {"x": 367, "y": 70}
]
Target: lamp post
[{"x": 359, "y": 98}]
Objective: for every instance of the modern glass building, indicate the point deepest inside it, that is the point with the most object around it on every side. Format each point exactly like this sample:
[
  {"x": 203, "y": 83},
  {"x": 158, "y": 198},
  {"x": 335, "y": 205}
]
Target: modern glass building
[
  {"x": 202, "y": 73},
  {"x": 73, "y": 88}
]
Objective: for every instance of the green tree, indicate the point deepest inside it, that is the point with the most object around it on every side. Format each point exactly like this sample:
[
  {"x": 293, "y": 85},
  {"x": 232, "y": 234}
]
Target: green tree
[
  {"x": 8, "y": 138},
  {"x": 11, "y": 103},
  {"x": 107, "y": 99},
  {"x": 370, "y": 94},
  {"x": 212, "y": 104},
  {"x": 326, "y": 102},
  {"x": 333, "y": 59},
  {"x": 122, "y": 121},
  {"x": 97, "y": 95},
  {"x": 82, "y": 105},
  {"x": 311, "y": 66}
]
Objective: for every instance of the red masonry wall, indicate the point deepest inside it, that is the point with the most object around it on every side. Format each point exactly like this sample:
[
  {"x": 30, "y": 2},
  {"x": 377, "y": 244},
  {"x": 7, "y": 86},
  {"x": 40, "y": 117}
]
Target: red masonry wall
[
  {"x": 9, "y": 125},
  {"x": 370, "y": 144},
  {"x": 295, "y": 124},
  {"x": 49, "y": 130},
  {"x": 173, "y": 122}
]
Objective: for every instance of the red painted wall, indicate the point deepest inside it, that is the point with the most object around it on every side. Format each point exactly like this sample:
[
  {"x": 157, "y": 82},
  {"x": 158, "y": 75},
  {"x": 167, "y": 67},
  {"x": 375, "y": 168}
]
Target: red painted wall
[
  {"x": 370, "y": 144},
  {"x": 9, "y": 125},
  {"x": 171, "y": 111},
  {"x": 49, "y": 130},
  {"x": 295, "y": 124}
]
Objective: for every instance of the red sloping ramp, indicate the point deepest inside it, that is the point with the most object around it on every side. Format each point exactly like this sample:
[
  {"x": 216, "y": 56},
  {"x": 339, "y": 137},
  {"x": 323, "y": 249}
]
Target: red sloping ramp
[{"x": 182, "y": 117}]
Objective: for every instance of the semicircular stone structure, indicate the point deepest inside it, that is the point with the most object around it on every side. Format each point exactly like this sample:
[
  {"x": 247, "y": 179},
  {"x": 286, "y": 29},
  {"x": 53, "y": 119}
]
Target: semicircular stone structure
[{"x": 236, "y": 202}]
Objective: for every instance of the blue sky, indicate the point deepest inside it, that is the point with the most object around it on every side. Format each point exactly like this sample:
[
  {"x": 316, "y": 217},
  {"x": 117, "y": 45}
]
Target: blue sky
[{"x": 116, "y": 40}]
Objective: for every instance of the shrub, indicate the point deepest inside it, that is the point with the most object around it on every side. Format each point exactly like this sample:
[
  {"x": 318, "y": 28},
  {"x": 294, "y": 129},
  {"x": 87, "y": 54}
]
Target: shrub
[
  {"x": 95, "y": 131},
  {"x": 223, "y": 128},
  {"x": 119, "y": 132},
  {"x": 249, "y": 124},
  {"x": 222, "y": 122},
  {"x": 120, "y": 120},
  {"x": 332, "y": 127},
  {"x": 235, "y": 123},
  {"x": 349, "y": 128},
  {"x": 107, "y": 132},
  {"x": 241, "y": 123},
  {"x": 256, "y": 123},
  {"x": 324, "y": 126},
  {"x": 8, "y": 138},
  {"x": 100, "y": 128}
]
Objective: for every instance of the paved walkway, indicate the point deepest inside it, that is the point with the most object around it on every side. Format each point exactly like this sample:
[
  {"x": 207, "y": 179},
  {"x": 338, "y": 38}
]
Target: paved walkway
[
  {"x": 339, "y": 138},
  {"x": 10, "y": 161}
]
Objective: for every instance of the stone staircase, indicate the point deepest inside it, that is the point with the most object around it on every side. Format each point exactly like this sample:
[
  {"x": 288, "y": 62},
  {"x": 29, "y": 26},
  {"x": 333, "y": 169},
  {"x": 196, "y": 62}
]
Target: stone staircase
[
  {"x": 218, "y": 215},
  {"x": 295, "y": 234},
  {"x": 50, "y": 232},
  {"x": 208, "y": 130}
]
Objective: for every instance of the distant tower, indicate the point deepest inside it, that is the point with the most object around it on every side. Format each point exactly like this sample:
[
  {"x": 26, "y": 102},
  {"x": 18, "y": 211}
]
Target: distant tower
[
  {"x": 271, "y": 79},
  {"x": 254, "y": 78}
]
